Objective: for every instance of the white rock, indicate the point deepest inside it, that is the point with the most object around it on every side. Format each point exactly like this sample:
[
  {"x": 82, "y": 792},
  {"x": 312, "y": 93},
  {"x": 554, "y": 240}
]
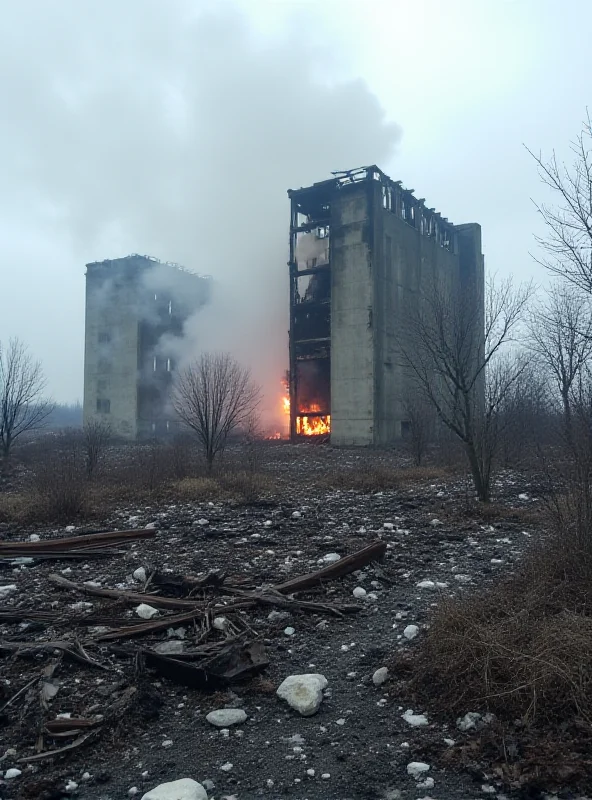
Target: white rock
[
  {"x": 330, "y": 558},
  {"x": 71, "y": 786},
  {"x": 463, "y": 578},
  {"x": 70, "y": 528},
  {"x": 380, "y": 676},
  {"x": 139, "y": 575},
  {"x": 359, "y": 592},
  {"x": 296, "y": 514},
  {"x": 417, "y": 768},
  {"x": 289, "y": 631},
  {"x": 6, "y": 590},
  {"x": 435, "y": 522},
  {"x": 220, "y": 623},
  {"x": 415, "y": 720},
  {"x": 523, "y": 497},
  {"x": 227, "y": 767},
  {"x": 133, "y": 791},
  {"x": 167, "y": 743},
  {"x": 469, "y": 721},
  {"x": 203, "y": 521},
  {"x": 183, "y": 789},
  {"x": 325, "y": 776},
  {"x": 426, "y": 585},
  {"x": 411, "y": 632},
  {"x": 310, "y": 773},
  {"x": 427, "y": 784},
  {"x": 34, "y": 537},
  {"x": 449, "y": 742},
  {"x": 12, "y": 773},
  {"x": 146, "y": 612},
  {"x": 225, "y": 717},
  {"x": 303, "y": 693},
  {"x": 150, "y": 526},
  {"x": 170, "y": 648}
]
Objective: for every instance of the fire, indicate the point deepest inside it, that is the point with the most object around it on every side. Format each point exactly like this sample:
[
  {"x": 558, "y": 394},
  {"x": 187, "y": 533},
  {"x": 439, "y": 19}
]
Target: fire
[{"x": 313, "y": 426}]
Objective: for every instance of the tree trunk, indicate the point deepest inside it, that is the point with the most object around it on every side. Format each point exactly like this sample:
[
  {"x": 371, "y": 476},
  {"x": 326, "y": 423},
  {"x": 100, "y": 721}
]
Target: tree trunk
[{"x": 480, "y": 482}]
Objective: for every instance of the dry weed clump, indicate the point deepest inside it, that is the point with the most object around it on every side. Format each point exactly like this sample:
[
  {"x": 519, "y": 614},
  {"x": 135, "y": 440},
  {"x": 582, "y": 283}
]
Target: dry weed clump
[
  {"x": 370, "y": 478},
  {"x": 522, "y": 650}
]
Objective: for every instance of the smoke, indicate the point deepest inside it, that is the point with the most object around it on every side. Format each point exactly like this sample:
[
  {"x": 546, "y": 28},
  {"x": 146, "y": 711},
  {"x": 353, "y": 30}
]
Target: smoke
[{"x": 147, "y": 127}]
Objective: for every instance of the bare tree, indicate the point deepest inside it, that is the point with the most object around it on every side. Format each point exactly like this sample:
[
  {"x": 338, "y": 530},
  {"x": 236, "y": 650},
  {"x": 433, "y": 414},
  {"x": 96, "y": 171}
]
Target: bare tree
[
  {"x": 460, "y": 360},
  {"x": 561, "y": 339},
  {"x": 420, "y": 417},
  {"x": 96, "y": 434},
  {"x": 22, "y": 407},
  {"x": 568, "y": 241},
  {"x": 214, "y": 396}
]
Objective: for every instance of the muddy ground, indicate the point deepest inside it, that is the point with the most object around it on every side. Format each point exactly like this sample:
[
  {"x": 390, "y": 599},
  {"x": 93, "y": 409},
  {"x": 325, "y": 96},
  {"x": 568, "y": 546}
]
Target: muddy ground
[{"x": 358, "y": 744}]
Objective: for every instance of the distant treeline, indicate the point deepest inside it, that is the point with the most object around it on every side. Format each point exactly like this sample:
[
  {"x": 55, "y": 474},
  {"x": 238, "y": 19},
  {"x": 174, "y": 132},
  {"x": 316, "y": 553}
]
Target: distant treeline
[{"x": 66, "y": 415}]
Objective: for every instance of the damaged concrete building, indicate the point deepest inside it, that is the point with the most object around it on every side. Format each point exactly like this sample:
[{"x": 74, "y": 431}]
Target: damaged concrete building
[
  {"x": 362, "y": 248},
  {"x": 136, "y": 308}
]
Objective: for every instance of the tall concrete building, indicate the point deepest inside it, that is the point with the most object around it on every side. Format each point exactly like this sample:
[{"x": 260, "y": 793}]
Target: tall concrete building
[
  {"x": 136, "y": 308},
  {"x": 362, "y": 248}
]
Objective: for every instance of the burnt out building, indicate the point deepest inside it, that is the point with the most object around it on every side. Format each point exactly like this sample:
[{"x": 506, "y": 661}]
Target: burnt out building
[
  {"x": 362, "y": 247},
  {"x": 136, "y": 308}
]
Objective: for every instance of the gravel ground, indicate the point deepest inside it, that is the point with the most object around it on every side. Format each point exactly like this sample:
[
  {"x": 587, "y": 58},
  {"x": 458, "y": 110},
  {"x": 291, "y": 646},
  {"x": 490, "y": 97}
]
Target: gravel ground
[{"x": 358, "y": 745}]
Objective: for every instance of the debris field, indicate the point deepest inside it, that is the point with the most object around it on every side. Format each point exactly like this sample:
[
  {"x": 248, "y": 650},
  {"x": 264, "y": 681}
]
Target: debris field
[{"x": 246, "y": 647}]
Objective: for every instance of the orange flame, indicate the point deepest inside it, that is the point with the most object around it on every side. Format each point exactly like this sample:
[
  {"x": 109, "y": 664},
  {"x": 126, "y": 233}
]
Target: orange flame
[{"x": 313, "y": 426}]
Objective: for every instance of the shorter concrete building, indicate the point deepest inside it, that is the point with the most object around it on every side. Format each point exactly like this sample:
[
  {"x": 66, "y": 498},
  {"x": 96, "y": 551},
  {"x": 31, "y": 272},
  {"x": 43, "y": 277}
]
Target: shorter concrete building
[{"x": 136, "y": 308}]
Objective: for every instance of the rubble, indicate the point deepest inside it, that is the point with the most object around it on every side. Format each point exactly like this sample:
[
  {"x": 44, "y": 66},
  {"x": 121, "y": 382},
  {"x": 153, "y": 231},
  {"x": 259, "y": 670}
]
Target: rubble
[
  {"x": 225, "y": 717},
  {"x": 183, "y": 789},
  {"x": 303, "y": 693}
]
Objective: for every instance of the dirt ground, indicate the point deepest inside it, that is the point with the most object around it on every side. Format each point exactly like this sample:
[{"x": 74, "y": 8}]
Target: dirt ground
[{"x": 358, "y": 744}]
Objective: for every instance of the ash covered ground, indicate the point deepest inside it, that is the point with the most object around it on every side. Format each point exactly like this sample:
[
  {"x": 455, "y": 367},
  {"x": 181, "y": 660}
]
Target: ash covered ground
[{"x": 154, "y": 729}]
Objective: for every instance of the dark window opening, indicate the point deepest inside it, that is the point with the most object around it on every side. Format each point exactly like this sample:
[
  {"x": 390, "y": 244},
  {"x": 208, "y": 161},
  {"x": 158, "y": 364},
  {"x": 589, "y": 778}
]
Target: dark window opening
[
  {"x": 104, "y": 337},
  {"x": 103, "y": 406}
]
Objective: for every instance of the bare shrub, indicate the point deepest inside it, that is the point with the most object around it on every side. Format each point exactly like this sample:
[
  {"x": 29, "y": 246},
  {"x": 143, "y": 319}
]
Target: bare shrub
[
  {"x": 150, "y": 467},
  {"x": 252, "y": 444},
  {"x": 213, "y": 397},
  {"x": 197, "y": 490},
  {"x": 179, "y": 455},
  {"x": 96, "y": 435},
  {"x": 246, "y": 485},
  {"x": 365, "y": 478},
  {"x": 60, "y": 478},
  {"x": 420, "y": 418}
]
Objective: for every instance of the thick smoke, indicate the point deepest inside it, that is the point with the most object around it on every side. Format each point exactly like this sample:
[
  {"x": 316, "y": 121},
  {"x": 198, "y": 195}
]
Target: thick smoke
[{"x": 147, "y": 127}]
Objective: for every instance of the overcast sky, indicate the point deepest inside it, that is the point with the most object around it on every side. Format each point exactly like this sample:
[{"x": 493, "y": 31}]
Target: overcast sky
[{"x": 174, "y": 127}]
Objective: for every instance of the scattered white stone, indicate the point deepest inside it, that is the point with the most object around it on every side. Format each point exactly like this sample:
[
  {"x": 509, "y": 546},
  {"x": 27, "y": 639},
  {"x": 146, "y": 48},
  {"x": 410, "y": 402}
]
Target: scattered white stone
[
  {"x": 411, "y": 632},
  {"x": 523, "y": 497},
  {"x": 12, "y": 773},
  {"x": 71, "y": 786},
  {"x": 449, "y": 742},
  {"x": 463, "y": 578},
  {"x": 133, "y": 791},
  {"x": 435, "y": 522},
  {"x": 203, "y": 521},
  {"x": 70, "y": 528},
  {"x": 426, "y": 585},
  {"x": 34, "y": 537},
  {"x": 278, "y": 616},
  {"x": 86, "y": 776},
  {"x": 167, "y": 743},
  {"x": 427, "y": 784},
  {"x": 6, "y": 590},
  {"x": 220, "y": 623},
  {"x": 170, "y": 648},
  {"x": 325, "y": 776},
  {"x": 310, "y": 773},
  {"x": 417, "y": 768},
  {"x": 146, "y": 612},
  {"x": 225, "y": 717},
  {"x": 380, "y": 676},
  {"x": 330, "y": 558},
  {"x": 359, "y": 592},
  {"x": 389, "y": 526},
  {"x": 296, "y": 514},
  {"x": 415, "y": 720},
  {"x": 340, "y": 721},
  {"x": 289, "y": 631},
  {"x": 81, "y": 605},
  {"x": 227, "y": 767},
  {"x": 469, "y": 721},
  {"x": 139, "y": 575},
  {"x": 183, "y": 789},
  {"x": 303, "y": 693},
  {"x": 485, "y": 787},
  {"x": 151, "y": 525}
]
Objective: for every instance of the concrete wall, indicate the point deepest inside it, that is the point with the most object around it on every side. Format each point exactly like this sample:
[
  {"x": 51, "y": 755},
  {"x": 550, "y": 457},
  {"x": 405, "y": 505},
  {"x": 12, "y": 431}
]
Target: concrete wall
[
  {"x": 352, "y": 357},
  {"x": 111, "y": 348},
  {"x": 380, "y": 264}
]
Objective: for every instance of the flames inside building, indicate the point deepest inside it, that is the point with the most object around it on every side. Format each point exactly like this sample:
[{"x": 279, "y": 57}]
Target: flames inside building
[{"x": 361, "y": 249}]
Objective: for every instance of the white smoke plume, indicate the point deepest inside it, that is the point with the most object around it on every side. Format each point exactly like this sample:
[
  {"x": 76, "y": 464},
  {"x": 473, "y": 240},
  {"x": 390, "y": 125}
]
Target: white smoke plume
[{"x": 156, "y": 127}]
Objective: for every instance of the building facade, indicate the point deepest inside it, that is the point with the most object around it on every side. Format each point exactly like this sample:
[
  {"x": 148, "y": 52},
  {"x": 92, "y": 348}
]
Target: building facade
[
  {"x": 362, "y": 251},
  {"x": 136, "y": 309}
]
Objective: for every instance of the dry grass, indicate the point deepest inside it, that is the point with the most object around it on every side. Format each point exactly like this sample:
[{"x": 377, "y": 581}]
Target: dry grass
[
  {"x": 522, "y": 649},
  {"x": 376, "y": 478}
]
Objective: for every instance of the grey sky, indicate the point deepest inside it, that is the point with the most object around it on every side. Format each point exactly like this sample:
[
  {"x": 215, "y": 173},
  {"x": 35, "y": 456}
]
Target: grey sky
[{"x": 174, "y": 128}]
